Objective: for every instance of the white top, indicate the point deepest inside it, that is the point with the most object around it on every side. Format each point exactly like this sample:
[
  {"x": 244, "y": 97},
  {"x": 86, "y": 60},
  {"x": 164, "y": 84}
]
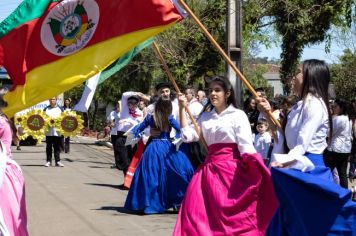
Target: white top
[
  {"x": 127, "y": 120},
  {"x": 53, "y": 112},
  {"x": 262, "y": 143},
  {"x": 341, "y": 140},
  {"x": 307, "y": 127},
  {"x": 230, "y": 126},
  {"x": 114, "y": 117},
  {"x": 195, "y": 107}
]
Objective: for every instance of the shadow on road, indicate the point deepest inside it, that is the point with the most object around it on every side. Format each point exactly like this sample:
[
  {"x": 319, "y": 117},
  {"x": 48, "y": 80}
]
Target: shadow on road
[
  {"x": 119, "y": 209},
  {"x": 105, "y": 185}
]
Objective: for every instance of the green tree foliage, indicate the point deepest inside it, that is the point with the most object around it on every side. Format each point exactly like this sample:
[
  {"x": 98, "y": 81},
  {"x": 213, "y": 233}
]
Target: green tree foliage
[
  {"x": 299, "y": 23},
  {"x": 344, "y": 76}
]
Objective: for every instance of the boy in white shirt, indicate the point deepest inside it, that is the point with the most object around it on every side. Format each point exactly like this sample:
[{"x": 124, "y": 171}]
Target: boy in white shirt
[{"x": 263, "y": 139}]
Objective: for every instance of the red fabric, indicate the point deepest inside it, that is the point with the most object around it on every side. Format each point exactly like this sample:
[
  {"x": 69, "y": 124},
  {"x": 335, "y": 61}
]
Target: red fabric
[
  {"x": 132, "y": 168},
  {"x": 134, "y": 114},
  {"x": 228, "y": 195},
  {"x": 23, "y": 50}
]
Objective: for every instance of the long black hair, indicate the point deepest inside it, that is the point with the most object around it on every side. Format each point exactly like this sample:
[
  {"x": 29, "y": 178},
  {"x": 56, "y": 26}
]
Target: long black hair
[
  {"x": 316, "y": 79},
  {"x": 343, "y": 106},
  {"x": 227, "y": 87}
]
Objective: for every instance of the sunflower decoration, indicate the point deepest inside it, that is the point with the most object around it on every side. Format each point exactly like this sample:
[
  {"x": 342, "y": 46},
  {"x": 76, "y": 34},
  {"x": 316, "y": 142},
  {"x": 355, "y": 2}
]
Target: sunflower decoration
[
  {"x": 18, "y": 120},
  {"x": 33, "y": 124},
  {"x": 70, "y": 124}
]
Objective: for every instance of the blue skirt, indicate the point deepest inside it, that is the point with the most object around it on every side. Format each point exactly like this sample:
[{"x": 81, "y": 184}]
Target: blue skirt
[
  {"x": 311, "y": 203},
  {"x": 160, "y": 180}
]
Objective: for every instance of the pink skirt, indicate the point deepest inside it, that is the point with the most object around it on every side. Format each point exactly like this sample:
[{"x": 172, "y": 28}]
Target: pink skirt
[
  {"x": 12, "y": 200},
  {"x": 228, "y": 195}
]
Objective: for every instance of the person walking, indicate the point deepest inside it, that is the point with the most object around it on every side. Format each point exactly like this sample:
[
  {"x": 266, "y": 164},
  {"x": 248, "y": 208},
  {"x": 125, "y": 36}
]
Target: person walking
[
  {"x": 67, "y": 106},
  {"x": 113, "y": 122},
  {"x": 12, "y": 185},
  {"x": 231, "y": 193},
  {"x": 310, "y": 202},
  {"x": 163, "y": 174},
  {"x": 53, "y": 138}
]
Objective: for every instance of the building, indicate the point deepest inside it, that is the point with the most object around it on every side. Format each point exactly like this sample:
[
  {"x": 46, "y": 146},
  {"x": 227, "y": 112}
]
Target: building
[{"x": 272, "y": 76}]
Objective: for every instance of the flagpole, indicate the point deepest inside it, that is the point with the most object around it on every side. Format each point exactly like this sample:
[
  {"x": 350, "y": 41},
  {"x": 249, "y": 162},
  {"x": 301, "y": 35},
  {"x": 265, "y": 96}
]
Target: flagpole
[
  {"x": 226, "y": 57},
  {"x": 171, "y": 78}
]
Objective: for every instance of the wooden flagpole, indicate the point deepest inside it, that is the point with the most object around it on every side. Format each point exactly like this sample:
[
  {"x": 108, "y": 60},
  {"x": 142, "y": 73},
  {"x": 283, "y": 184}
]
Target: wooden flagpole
[
  {"x": 171, "y": 78},
  {"x": 226, "y": 57}
]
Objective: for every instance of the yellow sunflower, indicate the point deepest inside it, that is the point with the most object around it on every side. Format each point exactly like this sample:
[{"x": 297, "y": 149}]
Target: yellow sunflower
[
  {"x": 34, "y": 123},
  {"x": 18, "y": 120},
  {"x": 69, "y": 124}
]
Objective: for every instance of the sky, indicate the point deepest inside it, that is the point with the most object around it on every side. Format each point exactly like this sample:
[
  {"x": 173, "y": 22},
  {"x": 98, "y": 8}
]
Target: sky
[{"x": 313, "y": 52}]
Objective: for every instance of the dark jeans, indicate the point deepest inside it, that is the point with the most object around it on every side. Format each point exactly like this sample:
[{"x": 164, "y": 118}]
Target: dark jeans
[
  {"x": 114, "y": 146},
  {"x": 338, "y": 161},
  {"x": 67, "y": 145},
  {"x": 53, "y": 142},
  {"x": 125, "y": 153}
]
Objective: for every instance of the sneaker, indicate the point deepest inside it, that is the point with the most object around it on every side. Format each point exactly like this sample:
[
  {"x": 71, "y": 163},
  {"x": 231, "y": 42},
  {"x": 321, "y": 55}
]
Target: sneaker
[
  {"x": 48, "y": 164},
  {"x": 18, "y": 148},
  {"x": 59, "y": 164}
]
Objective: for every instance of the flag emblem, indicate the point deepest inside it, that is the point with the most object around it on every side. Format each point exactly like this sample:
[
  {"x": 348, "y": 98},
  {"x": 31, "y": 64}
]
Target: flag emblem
[{"x": 69, "y": 26}]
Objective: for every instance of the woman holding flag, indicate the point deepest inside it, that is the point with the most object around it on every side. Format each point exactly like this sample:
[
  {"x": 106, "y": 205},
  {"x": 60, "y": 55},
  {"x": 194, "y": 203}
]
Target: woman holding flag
[
  {"x": 310, "y": 202},
  {"x": 231, "y": 193},
  {"x": 12, "y": 184}
]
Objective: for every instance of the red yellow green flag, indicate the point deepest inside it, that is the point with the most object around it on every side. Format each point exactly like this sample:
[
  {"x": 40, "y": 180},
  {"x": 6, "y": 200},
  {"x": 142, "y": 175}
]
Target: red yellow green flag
[{"x": 50, "y": 46}]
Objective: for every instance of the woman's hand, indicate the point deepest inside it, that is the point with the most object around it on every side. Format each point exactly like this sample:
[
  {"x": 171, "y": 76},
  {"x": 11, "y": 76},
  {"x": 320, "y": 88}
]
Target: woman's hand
[
  {"x": 277, "y": 164},
  {"x": 182, "y": 100},
  {"x": 263, "y": 105}
]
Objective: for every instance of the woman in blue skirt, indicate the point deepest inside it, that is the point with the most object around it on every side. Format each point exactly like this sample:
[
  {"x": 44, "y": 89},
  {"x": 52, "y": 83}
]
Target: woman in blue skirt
[
  {"x": 163, "y": 174},
  {"x": 310, "y": 202}
]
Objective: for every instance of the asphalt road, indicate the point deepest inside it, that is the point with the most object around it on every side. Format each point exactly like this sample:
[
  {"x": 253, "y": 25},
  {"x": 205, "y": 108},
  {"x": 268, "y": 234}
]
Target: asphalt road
[{"x": 83, "y": 197}]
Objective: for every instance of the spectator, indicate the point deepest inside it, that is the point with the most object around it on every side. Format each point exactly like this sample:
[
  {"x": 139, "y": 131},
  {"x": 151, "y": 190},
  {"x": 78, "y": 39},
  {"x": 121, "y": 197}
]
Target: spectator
[
  {"x": 113, "y": 121},
  {"x": 339, "y": 147},
  {"x": 53, "y": 138}
]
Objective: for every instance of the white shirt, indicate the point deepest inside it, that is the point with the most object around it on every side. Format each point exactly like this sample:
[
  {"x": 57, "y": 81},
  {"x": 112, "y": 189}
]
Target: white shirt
[
  {"x": 114, "y": 117},
  {"x": 195, "y": 108},
  {"x": 262, "y": 143},
  {"x": 53, "y": 112},
  {"x": 230, "y": 126},
  {"x": 127, "y": 121},
  {"x": 307, "y": 126},
  {"x": 341, "y": 140}
]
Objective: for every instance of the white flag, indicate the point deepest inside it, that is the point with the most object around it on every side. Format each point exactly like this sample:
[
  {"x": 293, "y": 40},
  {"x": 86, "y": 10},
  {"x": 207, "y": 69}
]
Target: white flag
[{"x": 88, "y": 94}]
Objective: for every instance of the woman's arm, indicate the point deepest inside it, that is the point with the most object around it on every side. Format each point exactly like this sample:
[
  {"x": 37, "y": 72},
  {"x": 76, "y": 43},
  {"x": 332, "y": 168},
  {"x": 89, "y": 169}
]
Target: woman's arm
[
  {"x": 188, "y": 133},
  {"x": 138, "y": 129}
]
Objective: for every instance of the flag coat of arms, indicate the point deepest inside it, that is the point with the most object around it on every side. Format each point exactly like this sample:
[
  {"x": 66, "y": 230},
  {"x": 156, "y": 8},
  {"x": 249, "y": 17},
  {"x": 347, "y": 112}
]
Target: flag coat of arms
[{"x": 50, "y": 46}]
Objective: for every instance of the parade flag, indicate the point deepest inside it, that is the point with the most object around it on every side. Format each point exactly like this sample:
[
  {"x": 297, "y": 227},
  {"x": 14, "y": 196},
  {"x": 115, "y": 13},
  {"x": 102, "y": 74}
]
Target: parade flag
[
  {"x": 50, "y": 46},
  {"x": 91, "y": 84}
]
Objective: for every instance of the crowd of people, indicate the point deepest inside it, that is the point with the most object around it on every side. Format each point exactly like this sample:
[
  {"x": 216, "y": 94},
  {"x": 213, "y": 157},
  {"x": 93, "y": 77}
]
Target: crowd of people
[{"x": 236, "y": 172}]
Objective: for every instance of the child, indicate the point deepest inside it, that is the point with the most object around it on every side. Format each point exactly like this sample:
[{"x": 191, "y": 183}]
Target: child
[
  {"x": 163, "y": 174},
  {"x": 263, "y": 139}
]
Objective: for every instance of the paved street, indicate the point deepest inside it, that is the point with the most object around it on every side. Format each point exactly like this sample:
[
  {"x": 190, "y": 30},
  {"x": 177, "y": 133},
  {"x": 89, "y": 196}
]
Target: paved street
[{"x": 83, "y": 197}]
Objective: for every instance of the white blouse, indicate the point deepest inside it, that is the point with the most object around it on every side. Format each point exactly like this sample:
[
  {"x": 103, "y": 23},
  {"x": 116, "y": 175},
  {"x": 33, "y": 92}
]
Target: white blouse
[
  {"x": 307, "y": 126},
  {"x": 341, "y": 140},
  {"x": 230, "y": 126}
]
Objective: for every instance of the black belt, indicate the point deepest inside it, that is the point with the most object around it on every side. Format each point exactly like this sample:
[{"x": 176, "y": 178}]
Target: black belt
[{"x": 120, "y": 133}]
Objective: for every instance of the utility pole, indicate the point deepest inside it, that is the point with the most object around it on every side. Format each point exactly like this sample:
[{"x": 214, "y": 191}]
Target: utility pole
[{"x": 234, "y": 45}]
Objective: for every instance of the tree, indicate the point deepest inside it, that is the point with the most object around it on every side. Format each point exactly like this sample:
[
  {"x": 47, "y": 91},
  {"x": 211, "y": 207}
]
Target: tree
[
  {"x": 344, "y": 75},
  {"x": 298, "y": 22}
]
